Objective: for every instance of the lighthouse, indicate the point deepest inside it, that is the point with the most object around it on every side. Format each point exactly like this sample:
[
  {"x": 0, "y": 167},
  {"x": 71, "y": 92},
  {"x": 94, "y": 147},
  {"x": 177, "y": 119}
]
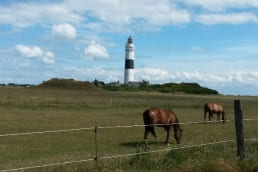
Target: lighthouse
[{"x": 129, "y": 61}]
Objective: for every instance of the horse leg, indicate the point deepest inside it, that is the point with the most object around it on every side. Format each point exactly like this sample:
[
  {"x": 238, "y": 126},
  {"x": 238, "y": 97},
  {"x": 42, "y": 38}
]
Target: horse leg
[
  {"x": 218, "y": 116},
  {"x": 167, "y": 128},
  {"x": 210, "y": 116},
  {"x": 146, "y": 132},
  {"x": 223, "y": 117},
  {"x": 151, "y": 129},
  {"x": 204, "y": 116}
]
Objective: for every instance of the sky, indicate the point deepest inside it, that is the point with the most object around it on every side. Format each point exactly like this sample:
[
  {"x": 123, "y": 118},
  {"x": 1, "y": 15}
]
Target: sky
[{"x": 213, "y": 43}]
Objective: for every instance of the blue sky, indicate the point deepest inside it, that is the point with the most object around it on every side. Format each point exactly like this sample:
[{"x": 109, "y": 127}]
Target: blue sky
[{"x": 213, "y": 43}]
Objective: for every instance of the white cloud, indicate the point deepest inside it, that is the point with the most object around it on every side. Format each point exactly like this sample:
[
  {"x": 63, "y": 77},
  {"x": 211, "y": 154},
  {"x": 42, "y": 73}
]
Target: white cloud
[
  {"x": 216, "y": 80},
  {"x": 219, "y": 5},
  {"x": 22, "y": 15},
  {"x": 197, "y": 48},
  {"x": 153, "y": 75},
  {"x": 228, "y": 18},
  {"x": 48, "y": 58},
  {"x": 126, "y": 15},
  {"x": 26, "y": 51},
  {"x": 246, "y": 50},
  {"x": 156, "y": 75},
  {"x": 96, "y": 51},
  {"x": 35, "y": 52},
  {"x": 64, "y": 31},
  {"x": 135, "y": 15},
  {"x": 106, "y": 75},
  {"x": 107, "y": 15}
]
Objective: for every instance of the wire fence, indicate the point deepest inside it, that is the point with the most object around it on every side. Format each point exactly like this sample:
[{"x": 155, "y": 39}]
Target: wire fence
[
  {"x": 113, "y": 127},
  {"x": 44, "y": 132},
  {"x": 120, "y": 155},
  {"x": 47, "y": 165}
]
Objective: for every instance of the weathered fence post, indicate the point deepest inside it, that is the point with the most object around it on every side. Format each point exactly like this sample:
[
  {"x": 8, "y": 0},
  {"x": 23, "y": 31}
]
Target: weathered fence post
[
  {"x": 96, "y": 145},
  {"x": 239, "y": 129}
]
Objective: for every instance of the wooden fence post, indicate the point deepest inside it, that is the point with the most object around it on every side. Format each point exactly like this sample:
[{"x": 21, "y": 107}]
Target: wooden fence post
[
  {"x": 239, "y": 129},
  {"x": 96, "y": 144}
]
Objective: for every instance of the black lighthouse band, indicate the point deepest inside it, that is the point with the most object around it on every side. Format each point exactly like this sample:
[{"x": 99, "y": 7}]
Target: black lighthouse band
[{"x": 129, "y": 64}]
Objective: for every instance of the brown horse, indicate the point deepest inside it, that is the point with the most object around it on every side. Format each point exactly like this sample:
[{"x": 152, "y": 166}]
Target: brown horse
[
  {"x": 214, "y": 108},
  {"x": 159, "y": 117}
]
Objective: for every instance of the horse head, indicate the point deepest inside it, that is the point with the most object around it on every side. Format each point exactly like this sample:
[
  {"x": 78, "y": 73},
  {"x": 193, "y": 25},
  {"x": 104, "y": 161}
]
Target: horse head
[{"x": 178, "y": 135}]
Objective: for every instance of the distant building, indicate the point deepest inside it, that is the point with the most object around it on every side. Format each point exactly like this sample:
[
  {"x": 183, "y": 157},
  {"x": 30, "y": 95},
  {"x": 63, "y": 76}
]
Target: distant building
[
  {"x": 98, "y": 83},
  {"x": 138, "y": 83},
  {"x": 114, "y": 83},
  {"x": 134, "y": 83}
]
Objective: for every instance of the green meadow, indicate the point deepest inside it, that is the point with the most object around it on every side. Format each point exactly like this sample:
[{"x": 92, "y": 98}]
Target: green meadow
[{"x": 25, "y": 110}]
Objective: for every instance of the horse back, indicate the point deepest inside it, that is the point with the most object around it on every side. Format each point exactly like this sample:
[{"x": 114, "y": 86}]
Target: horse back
[
  {"x": 160, "y": 116},
  {"x": 213, "y": 107},
  {"x": 169, "y": 116}
]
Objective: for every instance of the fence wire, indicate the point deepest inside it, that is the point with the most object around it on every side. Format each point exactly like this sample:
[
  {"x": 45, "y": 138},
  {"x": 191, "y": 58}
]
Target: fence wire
[
  {"x": 108, "y": 127},
  {"x": 115, "y": 156},
  {"x": 47, "y": 165},
  {"x": 111, "y": 127},
  {"x": 250, "y": 119},
  {"x": 44, "y": 132},
  {"x": 251, "y": 139},
  {"x": 122, "y": 155},
  {"x": 168, "y": 149},
  {"x": 180, "y": 123}
]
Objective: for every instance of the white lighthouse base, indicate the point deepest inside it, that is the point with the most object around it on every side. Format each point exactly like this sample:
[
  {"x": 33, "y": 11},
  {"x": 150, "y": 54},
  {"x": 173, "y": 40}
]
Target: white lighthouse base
[{"x": 129, "y": 76}]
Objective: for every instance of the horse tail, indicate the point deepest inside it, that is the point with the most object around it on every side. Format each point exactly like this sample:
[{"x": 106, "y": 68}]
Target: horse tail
[
  {"x": 149, "y": 127},
  {"x": 205, "y": 109}
]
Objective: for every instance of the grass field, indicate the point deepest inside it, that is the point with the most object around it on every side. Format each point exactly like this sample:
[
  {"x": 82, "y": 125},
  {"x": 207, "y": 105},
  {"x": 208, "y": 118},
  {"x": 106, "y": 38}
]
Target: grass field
[{"x": 39, "y": 109}]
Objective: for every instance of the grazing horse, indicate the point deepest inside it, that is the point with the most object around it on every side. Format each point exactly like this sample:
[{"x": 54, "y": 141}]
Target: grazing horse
[
  {"x": 162, "y": 118},
  {"x": 214, "y": 108}
]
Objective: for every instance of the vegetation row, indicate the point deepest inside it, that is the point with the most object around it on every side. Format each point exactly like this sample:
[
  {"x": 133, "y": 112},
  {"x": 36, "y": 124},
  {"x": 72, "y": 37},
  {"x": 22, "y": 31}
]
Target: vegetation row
[{"x": 192, "y": 88}]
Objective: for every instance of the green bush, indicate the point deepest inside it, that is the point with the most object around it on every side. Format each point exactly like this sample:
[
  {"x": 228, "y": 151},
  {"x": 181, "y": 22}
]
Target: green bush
[{"x": 192, "y": 88}]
